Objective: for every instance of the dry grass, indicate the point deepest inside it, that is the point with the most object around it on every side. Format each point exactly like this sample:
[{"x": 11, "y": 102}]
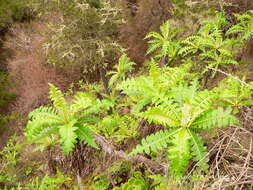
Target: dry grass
[
  {"x": 232, "y": 155},
  {"x": 31, "y": 76}
]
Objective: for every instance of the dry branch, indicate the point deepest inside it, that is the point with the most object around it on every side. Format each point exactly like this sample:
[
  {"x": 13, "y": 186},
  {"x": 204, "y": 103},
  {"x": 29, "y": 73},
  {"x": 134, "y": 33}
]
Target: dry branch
[{"x": 111, "y": 150}]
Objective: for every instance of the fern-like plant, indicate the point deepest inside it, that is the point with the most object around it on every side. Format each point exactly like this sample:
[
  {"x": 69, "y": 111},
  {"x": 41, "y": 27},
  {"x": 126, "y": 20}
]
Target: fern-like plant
[
  {"x": 125, "y": 65},
  {"x": 137, "y": 182},
  {"x": 244, "y": 27},
  {"x": 213, "y": 49},
  {"x": 210, "y": 46},
  {"x": 69, "y": 120},
  {"x": 144, "y": 90},
  {"x": 234, "y": 93},
  {"x": 184, "y": 112},
  {"x": 118, "y": 127},
  {"x": 209, "y": 30},
  {"x": 164, "y": 44}
]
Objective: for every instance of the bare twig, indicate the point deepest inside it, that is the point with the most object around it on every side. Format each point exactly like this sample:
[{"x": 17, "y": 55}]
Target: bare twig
[
  {"x": 234, "y": 77},
  {"x": 246, "y": 163}
]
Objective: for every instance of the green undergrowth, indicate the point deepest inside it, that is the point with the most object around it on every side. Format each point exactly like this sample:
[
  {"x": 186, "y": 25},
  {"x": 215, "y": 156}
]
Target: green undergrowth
[
  {"x": 166, "y": 96},
  {"x": 167, "y": 99},
  {"x": 5, "y": 98},
  {"x": 16, "y": 172},
  {"x": 13, "y": 11}
]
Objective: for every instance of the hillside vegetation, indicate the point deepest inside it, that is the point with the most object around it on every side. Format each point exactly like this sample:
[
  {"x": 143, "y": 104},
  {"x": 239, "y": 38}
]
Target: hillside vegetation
[{"x": 126, "y": 95}]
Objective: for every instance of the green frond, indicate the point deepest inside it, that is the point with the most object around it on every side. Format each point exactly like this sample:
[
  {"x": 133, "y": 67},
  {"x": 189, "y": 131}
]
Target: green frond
[
  {"x": 215, "y": 118},
  {"x": 164, "y": 44},
  {"x": 174, "y": 76},
  {"x": 113, "y": 79},
  {"x": 58, "y": 98},
  {"x": 179, "y": 153},
  {"x": 154, "y": 35},
  {"x": 68, "y": 136},
  {"x": 205, "y": 99},
  {"x": 184, "y": 94},
  {"x": 44, "y": 112},
  {"x": 139, "y": 87},
  {"x": 221, "y": 19},
  {"x": 244, "y": 27},
  {"x": 154, "y": 142},
  {"x": 154, "y": 69},
  {"x": 234, "y": 29},
  {"x": 191, "y": 39},
  {"x": 248, "y": 33},
  {"x": 165, "y": 29},
  {"x": 168, "y": 116},
  {"x": 156, "y": 84},
  {"x": 125, "y": 65},
  {"x": 81, "y": 101},
  {"x": 234, "y": 93},
  {"x": 208, "y": 55},
  {"x": 187, "y": 50},
  {"x": 141, "y": 104},
  {"x": 40, "y": 119},
  {"x": 225, "y": 52},
  {"x": 35, "y": 126},
  {"x": 192, "y": 45},
  {"x": 91, "y": 114},
  {"x": 198, "y": 151},
  {"x": 41, "y": 134},
  {"x": 230, "y": 61},
  {"x": 85, "y": 135},
  {"x": 153, "y": 47}
]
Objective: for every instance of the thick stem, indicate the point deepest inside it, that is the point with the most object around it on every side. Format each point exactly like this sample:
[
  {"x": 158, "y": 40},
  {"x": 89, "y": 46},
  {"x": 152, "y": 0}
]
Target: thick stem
[
  {"x": 80, "y": 182},
  {"x": 162, "y": 61},
  {"x": 104, "y": 80},
  {"x": 111, "y": 150}
]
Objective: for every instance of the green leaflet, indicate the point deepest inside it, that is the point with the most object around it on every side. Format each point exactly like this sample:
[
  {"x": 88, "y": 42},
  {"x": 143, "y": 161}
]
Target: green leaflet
[
  {"x": 198, "y": 151},
  {"x": 137, "y": 182},
  {"x": 164, "y": 44},
  {"x": 45, "y": 132},
  {"x": 37, "y": 125},
  {"x": 68, "y": 136},
  {"x": 125, "y": 65},
  {"x": 81, "y": 101},
  {"x": 159, "y": 115},
  {"x": 86, "y": 136},
  {"x": 58, "y": 100},
  {"x": 179, "y": 152},
  {"x": 154, "y": 142},
  {"x": 244, "y": 27},
  {"x": 215, "y": 118}
]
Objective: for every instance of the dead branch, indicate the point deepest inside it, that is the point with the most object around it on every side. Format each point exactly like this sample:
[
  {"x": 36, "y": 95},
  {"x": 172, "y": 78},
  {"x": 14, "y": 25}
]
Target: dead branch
[
  {"x": 234, "y": 77},
  {"x": 111, "y": 150}
]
